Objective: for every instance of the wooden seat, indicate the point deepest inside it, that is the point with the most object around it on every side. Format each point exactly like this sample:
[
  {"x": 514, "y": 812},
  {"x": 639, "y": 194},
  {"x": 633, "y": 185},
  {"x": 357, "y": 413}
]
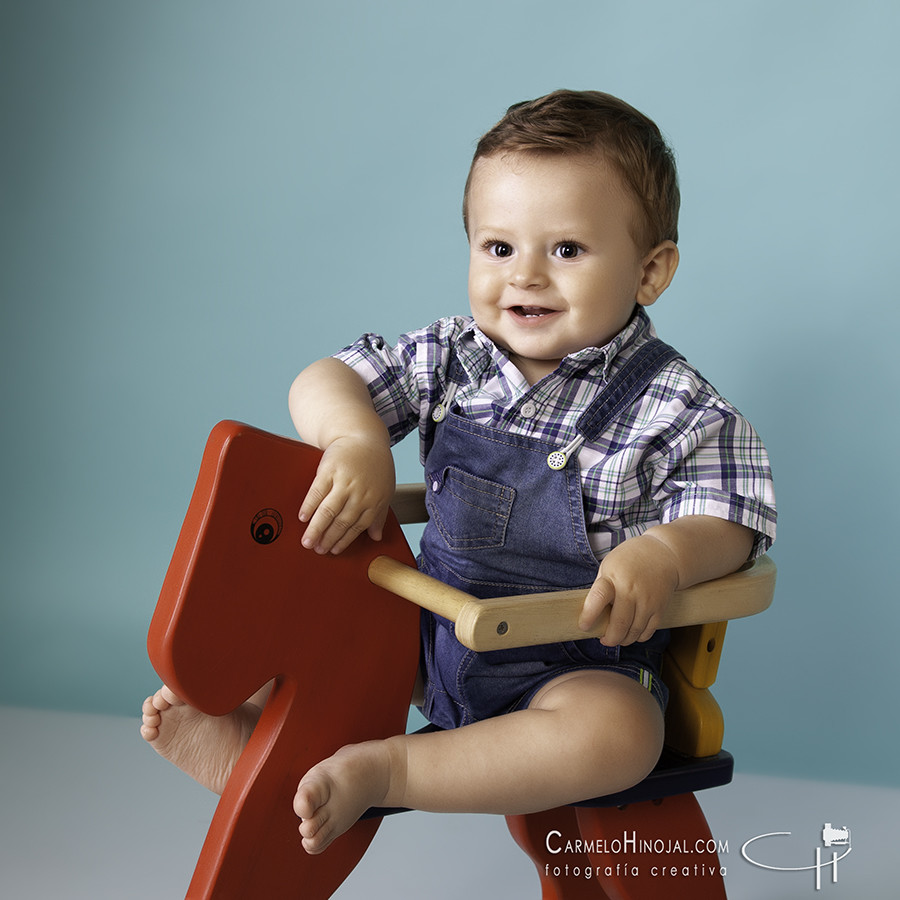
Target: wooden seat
[{"x": 243, "y": 604}]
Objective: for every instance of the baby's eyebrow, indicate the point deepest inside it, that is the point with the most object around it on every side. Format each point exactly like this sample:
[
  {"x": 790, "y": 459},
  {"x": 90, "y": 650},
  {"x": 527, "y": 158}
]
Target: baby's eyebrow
[
  {"x": 487, "y": 229},
  {"x": 552, "y": 237}
]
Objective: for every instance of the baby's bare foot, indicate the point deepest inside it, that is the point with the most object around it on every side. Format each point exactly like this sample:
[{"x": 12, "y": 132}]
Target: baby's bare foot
[
  {"x": 334, "y": 794},
  {"x": 206, "y": 747}
]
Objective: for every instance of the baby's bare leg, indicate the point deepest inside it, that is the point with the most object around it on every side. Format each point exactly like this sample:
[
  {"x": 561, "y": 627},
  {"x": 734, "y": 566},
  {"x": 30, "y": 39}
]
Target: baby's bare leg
[
  {"x": 205, "y": 747},
  {"x": 585, "y": 734}
]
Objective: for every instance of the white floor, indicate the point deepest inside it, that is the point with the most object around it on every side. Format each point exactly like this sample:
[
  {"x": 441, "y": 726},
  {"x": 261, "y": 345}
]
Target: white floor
[{"x": 89, "y": 812}]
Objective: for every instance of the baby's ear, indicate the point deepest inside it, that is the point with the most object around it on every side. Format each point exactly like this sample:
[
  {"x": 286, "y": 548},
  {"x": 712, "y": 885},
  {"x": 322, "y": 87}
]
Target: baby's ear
[{"x": 658, "y": 270}]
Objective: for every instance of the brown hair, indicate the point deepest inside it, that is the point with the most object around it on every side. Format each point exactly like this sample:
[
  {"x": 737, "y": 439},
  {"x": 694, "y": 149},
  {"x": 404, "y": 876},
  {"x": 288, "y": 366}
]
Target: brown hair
[{"x": 582, "y": 122}]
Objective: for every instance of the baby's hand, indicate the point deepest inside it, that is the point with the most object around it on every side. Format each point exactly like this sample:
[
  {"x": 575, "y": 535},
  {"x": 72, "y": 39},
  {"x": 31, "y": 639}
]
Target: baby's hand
[
  {"x": 351, "y": 493},
  {"x": 636, "y": 580}
]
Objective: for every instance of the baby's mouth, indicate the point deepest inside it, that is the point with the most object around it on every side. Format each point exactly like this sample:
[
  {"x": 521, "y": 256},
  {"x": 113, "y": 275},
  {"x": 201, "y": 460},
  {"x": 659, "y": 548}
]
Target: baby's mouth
[{"x": 532, "y": 312}]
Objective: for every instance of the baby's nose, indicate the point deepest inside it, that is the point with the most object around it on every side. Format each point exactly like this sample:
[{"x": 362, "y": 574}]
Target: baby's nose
[{"x": 528, "y": 273}]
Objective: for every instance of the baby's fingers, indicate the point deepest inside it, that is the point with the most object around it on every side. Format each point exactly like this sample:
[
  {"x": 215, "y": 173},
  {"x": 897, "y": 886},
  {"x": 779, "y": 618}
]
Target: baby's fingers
[
  {"x": 318, "y": 491},
  {"x": 599, "y": 597},
  {"x": 320, "y": 525},
  {"x": 621, "y": 625},
  {"x": 330, "y": 518},
  {"x": 341, "y": 535},
  {"x": 376, "y": 529},
  {"x": 336, "y": 523},
  {"x": 331, "y": 530}
]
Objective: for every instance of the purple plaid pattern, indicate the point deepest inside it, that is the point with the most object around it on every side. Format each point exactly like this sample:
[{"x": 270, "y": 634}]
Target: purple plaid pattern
[{"x": 680, "y": 450}]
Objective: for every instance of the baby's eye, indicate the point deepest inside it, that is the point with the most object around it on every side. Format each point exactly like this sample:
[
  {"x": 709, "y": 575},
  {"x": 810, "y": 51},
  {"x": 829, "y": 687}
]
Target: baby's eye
[
  {"x": 568, "y": 250},
  {"x": 500, "y": 249}
]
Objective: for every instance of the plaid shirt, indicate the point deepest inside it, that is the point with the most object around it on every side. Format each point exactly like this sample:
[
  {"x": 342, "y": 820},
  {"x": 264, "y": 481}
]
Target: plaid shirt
[{"x": 681, "y": 449}]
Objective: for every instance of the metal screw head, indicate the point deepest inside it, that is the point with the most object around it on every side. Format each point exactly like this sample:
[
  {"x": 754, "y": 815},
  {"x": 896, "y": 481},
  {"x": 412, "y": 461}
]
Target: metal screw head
[{"x": 502, "y": 628}]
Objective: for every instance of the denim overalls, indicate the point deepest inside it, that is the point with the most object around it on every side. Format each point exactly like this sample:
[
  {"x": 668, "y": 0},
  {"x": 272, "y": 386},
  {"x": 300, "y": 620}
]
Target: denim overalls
[{"x": 507, "y": 517}]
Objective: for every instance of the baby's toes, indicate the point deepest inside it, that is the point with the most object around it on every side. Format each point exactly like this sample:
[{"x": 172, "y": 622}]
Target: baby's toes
[
  {"x": 318, "y": 842},
  {"x": 317, "y": 832},
  {"x": 150, "y": 720},
  {"x": 309, "y": 803},
  {"x": 163, "y": 699},
  {"x": 171, "y": 698}
]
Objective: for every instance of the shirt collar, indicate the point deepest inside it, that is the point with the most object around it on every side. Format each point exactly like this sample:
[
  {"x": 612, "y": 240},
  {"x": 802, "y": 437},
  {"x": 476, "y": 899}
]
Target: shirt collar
[
  {"x": 477, "y": 352},
  {"x": 638, "y": 331}
]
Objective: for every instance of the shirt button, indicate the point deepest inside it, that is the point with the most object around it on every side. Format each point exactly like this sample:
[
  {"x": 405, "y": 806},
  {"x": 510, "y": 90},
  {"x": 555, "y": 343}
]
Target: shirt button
[{"x": 528, "y": 410}]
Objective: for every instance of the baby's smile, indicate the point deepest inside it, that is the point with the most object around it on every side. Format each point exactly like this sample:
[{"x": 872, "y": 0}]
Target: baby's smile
[{"x": 532, "y": 312}]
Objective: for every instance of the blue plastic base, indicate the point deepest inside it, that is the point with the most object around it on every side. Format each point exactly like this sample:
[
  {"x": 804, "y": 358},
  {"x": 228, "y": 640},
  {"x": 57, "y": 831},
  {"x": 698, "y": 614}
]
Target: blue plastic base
[{"x": 674, "y": 774}]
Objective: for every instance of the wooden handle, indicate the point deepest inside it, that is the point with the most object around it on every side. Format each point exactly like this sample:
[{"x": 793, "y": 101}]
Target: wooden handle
[
  {"x": 409, "y": 504},
  {"x": 423, "y": 590},
  {"x": 529, "y": 619}
]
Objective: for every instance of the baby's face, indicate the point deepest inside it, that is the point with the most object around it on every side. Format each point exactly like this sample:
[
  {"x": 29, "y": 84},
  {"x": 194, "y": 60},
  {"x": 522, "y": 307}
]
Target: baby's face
[{"x": 553, "y": 266}]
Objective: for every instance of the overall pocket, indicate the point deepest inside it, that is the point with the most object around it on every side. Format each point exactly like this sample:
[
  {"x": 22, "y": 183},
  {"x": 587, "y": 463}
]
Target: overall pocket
[{"x": 471, "y": 513}]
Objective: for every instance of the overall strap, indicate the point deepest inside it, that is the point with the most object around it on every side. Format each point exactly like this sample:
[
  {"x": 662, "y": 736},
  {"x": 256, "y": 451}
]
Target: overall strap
[
  {"x": 456, "y": 378},
  {"x": 625, "y": 387}
]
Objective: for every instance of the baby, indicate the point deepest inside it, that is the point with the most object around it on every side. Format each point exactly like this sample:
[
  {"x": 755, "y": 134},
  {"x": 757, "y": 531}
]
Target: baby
[{"x": 564, "y": 446}]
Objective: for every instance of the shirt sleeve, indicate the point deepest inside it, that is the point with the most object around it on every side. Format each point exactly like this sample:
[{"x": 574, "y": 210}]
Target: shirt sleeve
[
  {"x": 407, "y": 379},
  {"x": 715, "y": 464}
]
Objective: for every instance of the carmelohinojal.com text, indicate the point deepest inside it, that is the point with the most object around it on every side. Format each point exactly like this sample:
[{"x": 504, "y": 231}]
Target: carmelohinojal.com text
[{"x": 632, "y": 846}]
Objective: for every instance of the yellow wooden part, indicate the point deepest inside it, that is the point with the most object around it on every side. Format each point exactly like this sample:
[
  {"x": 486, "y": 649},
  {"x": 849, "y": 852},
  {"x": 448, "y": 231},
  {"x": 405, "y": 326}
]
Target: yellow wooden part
[
  {"x": 696, "y": 650},
  {"x": 695, "y": 725}
]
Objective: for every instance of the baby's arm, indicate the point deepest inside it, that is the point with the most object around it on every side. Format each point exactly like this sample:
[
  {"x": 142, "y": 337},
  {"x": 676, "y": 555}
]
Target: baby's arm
[
  {"x": 354, "y": 484},
  {"x": 638, "y": 578}
]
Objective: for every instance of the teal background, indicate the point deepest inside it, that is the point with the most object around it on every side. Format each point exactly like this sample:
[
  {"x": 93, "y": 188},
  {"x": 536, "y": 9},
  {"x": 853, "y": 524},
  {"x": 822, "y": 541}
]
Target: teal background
[{"x": 200, "y": 198}]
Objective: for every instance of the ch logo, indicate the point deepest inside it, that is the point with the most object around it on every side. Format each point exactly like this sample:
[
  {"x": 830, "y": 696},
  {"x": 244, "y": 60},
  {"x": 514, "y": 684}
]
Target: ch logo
[{"x": 831, "y": 837}]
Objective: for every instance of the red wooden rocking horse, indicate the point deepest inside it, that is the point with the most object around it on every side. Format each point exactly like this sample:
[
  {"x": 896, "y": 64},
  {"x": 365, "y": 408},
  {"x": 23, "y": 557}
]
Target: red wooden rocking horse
[{"x": 243, "y": 603}]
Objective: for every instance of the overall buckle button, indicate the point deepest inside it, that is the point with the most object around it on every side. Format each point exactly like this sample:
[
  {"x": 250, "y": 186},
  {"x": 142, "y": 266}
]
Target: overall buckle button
[{"x": 557, "y": 460}]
